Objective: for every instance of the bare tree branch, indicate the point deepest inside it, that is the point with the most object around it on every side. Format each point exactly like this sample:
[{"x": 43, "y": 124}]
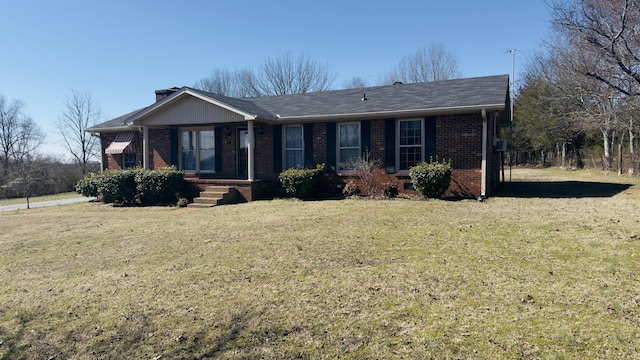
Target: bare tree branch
[{"x": 79, "y": 112}]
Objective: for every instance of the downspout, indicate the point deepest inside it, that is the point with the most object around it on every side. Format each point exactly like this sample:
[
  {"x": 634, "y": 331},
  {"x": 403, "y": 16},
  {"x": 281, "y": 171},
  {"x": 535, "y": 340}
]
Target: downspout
[{"x": 483, "y": 183}]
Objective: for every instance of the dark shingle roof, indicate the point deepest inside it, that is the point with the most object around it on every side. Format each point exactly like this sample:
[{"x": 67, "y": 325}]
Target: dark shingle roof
[
  {"x": 440, "y": 96},
  {"x": 459, "y": 93}
]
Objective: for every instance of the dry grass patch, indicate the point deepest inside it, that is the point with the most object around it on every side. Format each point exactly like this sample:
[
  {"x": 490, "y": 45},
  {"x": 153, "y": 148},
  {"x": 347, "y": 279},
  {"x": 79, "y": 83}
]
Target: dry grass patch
[{"x": 535, "y": 277}]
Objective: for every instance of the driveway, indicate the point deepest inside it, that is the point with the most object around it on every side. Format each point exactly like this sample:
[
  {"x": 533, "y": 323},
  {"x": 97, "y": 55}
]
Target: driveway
[{"x": 45, "y": 203}]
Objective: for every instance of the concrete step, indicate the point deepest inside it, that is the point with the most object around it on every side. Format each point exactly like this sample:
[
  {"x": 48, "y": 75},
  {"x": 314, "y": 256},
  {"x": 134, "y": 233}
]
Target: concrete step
[{"x": 214, "y": 195}]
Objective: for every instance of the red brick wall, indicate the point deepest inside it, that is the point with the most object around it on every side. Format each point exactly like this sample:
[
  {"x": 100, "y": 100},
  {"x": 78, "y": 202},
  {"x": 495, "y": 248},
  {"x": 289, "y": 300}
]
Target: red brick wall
[
  {"x": 458, "y": 137},
  {"x": 160, "y": 148}
]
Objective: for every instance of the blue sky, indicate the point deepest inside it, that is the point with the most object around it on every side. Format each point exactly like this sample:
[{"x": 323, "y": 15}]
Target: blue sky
[{"x": 121, "y": 51}]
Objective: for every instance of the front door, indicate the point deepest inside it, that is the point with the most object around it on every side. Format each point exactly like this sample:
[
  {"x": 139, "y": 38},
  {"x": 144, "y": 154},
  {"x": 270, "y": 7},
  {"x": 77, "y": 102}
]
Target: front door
[{"x": 242, "y": 153}]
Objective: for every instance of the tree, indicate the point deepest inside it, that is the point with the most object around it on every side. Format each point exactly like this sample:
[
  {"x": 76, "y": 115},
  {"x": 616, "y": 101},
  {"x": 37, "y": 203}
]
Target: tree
[
  {"x": 285, "y": 74},
  {"x": 606, "y": 30},
  {"x": 433, "y": 63},
  {"x": 11, "y": 118},
  {"x": 356, "y": 82},
  {"x": 27, "y": 160},
  {"x": 79, "y": 112},
  {"x": 281, "y": 75},
  {"x": 238, "y": 83}
]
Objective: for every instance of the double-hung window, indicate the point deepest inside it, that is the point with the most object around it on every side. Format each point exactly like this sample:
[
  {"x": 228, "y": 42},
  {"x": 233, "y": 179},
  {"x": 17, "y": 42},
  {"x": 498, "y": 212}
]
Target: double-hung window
[
  {"x": 348, "y": 145},
  {"x": 197, "y": 150},
  {"x": 410, "y": 143},
  {"x": 129, "y": 160},
  {"x": 293, "y": 147}
]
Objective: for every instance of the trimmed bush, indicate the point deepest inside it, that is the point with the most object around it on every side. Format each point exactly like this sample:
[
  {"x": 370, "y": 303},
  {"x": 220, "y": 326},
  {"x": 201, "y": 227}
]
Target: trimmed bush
[
  {"x": 431, "y": 179},
  {"x": 88, "y": 185},
  {"x": 160, "y": 186},
  {"x": 302, "y": 183},
  {"x": 118, "y": 186},
  {"x": 127, "y": 187}
]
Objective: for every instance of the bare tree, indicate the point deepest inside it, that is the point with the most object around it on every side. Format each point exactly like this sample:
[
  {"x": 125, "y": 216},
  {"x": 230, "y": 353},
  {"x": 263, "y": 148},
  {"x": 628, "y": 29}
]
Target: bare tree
[
  {"x": 288, "y": 75},
  {"x": 277, "y": 76},
  {"x": 356, "y": 82},
  {"x": 79, "y": 112},
  {"x": 606, "y": 30},
  {"x": 433, "y": 63},
  {"x": 11, "y": 117},
  {"x": 27, "y": 160},
  {"x": 237, "y": 83}
]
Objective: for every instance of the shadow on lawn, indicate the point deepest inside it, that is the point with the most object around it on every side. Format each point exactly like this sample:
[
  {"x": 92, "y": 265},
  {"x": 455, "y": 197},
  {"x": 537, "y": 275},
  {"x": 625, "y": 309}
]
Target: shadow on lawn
[{"x": 559, "y": 189}]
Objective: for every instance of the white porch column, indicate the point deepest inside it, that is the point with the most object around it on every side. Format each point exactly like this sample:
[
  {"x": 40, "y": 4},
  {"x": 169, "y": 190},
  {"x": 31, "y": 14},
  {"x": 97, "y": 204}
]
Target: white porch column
[
  {"x": 145, "y": 147},
  {"x": 250, "y": 149}
]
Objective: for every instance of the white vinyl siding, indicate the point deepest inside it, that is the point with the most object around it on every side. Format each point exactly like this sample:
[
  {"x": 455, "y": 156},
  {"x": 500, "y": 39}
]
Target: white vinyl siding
[
  {"x": 348, "y": 144},
  {"x": 293, "y": 147},
  {"x": 410, "y": 143},
  {"x": 197, "y": 150}
]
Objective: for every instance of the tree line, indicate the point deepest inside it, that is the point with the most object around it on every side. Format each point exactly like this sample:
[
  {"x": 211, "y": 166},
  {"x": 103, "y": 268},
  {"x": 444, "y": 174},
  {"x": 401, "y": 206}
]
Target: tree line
[{"x": 579, "y": 100}]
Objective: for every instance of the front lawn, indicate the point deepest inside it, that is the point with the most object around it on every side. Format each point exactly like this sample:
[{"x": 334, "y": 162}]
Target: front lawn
[{"x": 553, "y": 274}]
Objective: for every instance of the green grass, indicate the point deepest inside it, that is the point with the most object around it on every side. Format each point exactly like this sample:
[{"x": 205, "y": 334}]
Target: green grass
[
  {"x": 14, "y": 201},
  {"x": 544, "y": 276}
]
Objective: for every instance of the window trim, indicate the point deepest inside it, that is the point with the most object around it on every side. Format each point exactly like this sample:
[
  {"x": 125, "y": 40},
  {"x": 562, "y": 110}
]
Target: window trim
[
  {"x": 398, "y": 146},
  {"x": 338, "y": 147},
  {"x": 284, "y": 145},
  {"x": 197, "y": 130}
]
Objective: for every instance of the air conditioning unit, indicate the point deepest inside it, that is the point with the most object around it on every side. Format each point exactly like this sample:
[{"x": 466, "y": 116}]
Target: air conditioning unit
[{"x": 501, "y": 145}]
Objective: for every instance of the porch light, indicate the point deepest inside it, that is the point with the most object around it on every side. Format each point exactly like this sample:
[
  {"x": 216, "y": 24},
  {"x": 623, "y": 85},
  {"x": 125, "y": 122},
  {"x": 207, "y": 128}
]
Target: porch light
[{"x": 228, "y": 131}]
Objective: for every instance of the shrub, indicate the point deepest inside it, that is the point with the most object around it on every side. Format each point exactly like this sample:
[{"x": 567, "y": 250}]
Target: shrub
[
  {"x": 431, "y": 179},
  {"x": 302, "y": 183},
  {"x": 366, "y": 169},
  {"x": 118, "y": 186},
  {"x": 160, "y": 186},
  {"x": 88, "y": 185},
  {"x": 389, "y": 190},
  {"x": 350, "y": 189}
]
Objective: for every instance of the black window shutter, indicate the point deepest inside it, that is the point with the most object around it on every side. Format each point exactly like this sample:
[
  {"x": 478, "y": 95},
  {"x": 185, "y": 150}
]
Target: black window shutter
[
  {"x": 308, "y": 144},
  {"x": 390, "y": 146},
  {"x": 430, "y": 135},
  {"x": 365, "y": 137},
  {"x": 173, "y": 146},
  {"x": 218, "y": 147},
  {"x": 277, "y": 148},
  {"x": 331, "y": 146}
]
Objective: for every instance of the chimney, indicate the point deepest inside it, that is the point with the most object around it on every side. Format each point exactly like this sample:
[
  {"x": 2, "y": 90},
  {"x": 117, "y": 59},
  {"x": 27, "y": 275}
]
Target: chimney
[{"x": 163, "y": 93}]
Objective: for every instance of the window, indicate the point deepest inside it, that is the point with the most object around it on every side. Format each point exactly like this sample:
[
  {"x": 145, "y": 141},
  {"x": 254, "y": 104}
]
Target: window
[
  {"x": 197, "y": 150},
  {"x": 348, "y": 144},
  {"x": 129, "y": 160},
  {"x": 410, "y": 143},
  {"x": 293, "y": 147}
]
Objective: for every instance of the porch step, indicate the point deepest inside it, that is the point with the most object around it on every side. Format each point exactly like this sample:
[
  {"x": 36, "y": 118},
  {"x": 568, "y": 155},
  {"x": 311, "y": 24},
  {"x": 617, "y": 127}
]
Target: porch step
[{"x": 214, "y": 195}]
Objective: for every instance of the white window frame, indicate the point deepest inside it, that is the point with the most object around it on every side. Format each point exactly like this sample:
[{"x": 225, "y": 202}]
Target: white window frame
[
  {"x": 339, "y": 148},
  {"x": 399, "y": 146},
  {"x": 284, "y": 145},
  {"x": 197, "y": 131}
]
